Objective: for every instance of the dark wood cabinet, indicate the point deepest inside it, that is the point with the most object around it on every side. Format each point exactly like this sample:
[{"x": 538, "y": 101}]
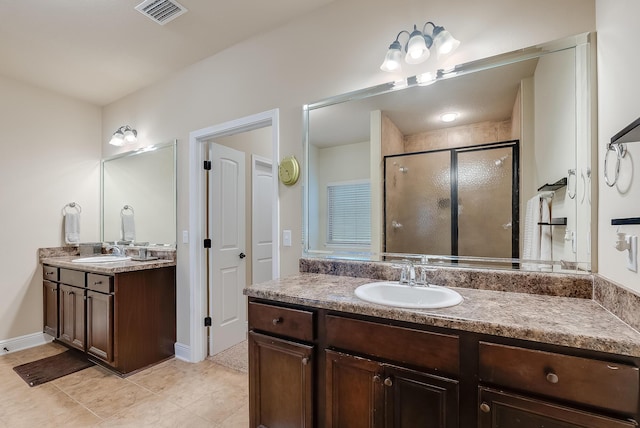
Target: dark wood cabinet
[
  {"x": 100, "y": 325},
  {"x": 72, "y": 319},
  {"x": 376, "y": 372},
  {"x": 502, "y": 409},
  {"x": 281, "y": 383},
  {"x": 126, "y": 320},
  {"x": 368, "y": 394},
  {"x": 419, "y": 400},
  {"x": 354, "y": 391},
  {"x": 50, "y": 307}
]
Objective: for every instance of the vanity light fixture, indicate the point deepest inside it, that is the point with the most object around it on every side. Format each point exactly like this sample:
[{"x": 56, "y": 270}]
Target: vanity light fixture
[
  {"x": 124, "y": 134},
  {"x": 418, "y": 45}
]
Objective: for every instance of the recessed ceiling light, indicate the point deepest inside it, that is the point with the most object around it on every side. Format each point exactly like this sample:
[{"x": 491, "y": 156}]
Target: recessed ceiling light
[{"x": 448, "y": 117}]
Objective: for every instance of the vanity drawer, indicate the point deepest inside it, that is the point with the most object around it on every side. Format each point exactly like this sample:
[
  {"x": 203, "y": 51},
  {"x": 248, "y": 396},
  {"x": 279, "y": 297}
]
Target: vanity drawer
[
  {"x": 433, "y": 351},
  {"x": 596, "y": 383},
  {"x": 294, "y": 323},
  {"x": 100, "y": 283},
  {"x": 50, "y": 273},
  {"x": 72, "y": 277}
]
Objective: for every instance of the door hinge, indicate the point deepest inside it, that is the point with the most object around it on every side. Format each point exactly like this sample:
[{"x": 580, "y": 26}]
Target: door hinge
[
  {"x": 207, "y": 243},
  {"x": 207, "y": 321},
  {"x": 207, "y": 165}
]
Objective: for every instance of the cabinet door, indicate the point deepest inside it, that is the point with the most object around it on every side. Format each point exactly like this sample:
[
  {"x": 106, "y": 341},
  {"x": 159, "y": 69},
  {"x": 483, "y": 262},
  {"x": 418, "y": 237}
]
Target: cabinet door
[
  {"x": 414, "y": 399},
  {"x": 355, "y": 395},
  {"x": 501, "y": 409},
  {"x": 281, "y": 383},
  {"x": 100, "y": 325},
  {"x": 72, "y": 316},
  {"x": 50, "y": 300}
]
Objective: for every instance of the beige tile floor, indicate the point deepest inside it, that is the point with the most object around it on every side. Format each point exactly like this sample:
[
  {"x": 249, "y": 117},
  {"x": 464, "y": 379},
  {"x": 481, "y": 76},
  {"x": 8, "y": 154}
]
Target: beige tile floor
[{"x": 170, "y": 394}]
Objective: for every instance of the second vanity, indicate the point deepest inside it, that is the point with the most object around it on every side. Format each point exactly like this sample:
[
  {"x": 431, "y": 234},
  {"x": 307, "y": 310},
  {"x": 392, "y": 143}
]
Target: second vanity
[
  {"x": 122, "y": 314},
  {"x": 319, "y": 356}
]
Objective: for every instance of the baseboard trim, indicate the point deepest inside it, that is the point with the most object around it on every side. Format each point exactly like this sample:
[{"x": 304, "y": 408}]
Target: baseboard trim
[
  {"x": 15, "y": 344},
  {"x": 183, "y": 352}
]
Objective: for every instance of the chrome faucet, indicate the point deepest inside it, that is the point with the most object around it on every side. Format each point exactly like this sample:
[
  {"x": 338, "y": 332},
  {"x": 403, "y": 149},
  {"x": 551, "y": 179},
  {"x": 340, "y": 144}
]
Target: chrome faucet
[
  {"x": 116, "y": 250},
  {"x": 408, "y": 273}
]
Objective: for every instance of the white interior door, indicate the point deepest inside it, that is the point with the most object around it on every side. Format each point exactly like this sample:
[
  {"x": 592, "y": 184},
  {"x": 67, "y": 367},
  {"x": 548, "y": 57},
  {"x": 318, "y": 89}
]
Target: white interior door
[
  {"x": 261, "y": 220},
  {"x": 227, "y": 256}
]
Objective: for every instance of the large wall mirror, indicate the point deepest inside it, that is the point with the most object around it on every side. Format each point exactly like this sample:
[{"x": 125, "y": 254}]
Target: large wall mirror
[
  {"x": 139, "y": 196},
  {"x": 506, "y": 183}
]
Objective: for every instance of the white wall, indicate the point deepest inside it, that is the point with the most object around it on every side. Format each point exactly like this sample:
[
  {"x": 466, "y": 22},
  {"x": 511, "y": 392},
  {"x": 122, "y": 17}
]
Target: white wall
[
  {"x": 618, "y": 105},
  {"x": 555, "y": 139},
  {"x": 50, "y": 157},
  {"x": 338, "y": 48},
  {"x": 335, "y": 164}
]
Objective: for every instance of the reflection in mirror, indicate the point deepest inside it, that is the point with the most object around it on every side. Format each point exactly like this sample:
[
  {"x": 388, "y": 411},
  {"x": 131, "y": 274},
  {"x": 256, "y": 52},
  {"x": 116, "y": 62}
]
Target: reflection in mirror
[
  {"x": 387, "y": 177},
  {"x": 139, "y": 196}
]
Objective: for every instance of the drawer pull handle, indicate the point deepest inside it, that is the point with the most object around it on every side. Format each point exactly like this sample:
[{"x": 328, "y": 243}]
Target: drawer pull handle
[
  {"x": 277, "y": 321},
  {"x": 552, "y": 377},
  {"x": 305, "y": 361},
  {"x": 388, "y": 382},
  {"x": 49, "y": 273},
  {"x": 377, "y": 379},
  {"x": 97, "y": 283},
  {"x": 485, "y": 408}
]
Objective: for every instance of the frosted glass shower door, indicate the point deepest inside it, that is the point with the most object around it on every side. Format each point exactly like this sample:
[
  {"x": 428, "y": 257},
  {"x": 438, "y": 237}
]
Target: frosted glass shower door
[
  {"x": 418, "y": 203},
  {"x": 486, "y": 203}
]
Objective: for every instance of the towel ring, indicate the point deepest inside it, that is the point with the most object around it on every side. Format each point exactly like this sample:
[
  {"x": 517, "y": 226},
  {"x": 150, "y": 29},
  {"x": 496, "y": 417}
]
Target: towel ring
[
  {"x": 572, "y": 172},
  {"x": 75, "y": 205},
  {"x": 126, "y": 208},
  {"x": 621, "y": 151}
]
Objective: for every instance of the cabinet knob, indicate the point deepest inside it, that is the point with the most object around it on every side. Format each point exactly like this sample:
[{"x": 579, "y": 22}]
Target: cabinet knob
[
  {"x": 388, "y": 382},
  {"x": 552, "y": 377},
  {"x": 277, "y": 321},
  {"x": 377, "y": 379},
  {"x": 305, "y": 361},
  {"x": 484, "y": 407}
]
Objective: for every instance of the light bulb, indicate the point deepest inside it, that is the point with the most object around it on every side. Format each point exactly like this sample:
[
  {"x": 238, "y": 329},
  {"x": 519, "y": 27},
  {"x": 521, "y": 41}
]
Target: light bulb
[
  {"x": 117, "y": 139},
  {"x": 417, "y": 50},
  {"x": 449, "y": 117},
  {"x": 393, "y": 58}
]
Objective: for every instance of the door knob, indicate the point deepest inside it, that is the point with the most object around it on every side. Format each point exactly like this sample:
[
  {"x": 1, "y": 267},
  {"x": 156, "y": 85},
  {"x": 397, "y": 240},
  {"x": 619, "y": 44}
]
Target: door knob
[{"x": 242, "y": 255}]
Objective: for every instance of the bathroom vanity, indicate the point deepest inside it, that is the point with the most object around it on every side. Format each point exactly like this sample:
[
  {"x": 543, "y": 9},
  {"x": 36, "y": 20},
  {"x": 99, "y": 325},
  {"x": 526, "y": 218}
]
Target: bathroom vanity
[
  {"x": 319, "y": 356},
  {"x": 123, "y": 314}
]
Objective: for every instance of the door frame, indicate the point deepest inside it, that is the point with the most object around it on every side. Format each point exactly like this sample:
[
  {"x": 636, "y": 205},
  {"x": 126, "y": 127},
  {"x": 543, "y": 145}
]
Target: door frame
[{"x": 197, "y": 257}]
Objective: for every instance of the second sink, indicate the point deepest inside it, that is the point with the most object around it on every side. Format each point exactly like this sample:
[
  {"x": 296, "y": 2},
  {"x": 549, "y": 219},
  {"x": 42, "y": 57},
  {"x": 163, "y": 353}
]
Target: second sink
[
  {"x": 405, "y": 296},
  {"x": 101, "y": 259}
]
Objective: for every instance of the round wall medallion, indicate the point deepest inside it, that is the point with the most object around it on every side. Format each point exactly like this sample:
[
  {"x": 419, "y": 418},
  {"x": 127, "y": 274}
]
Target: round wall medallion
[{"x": 289, "y": 170}]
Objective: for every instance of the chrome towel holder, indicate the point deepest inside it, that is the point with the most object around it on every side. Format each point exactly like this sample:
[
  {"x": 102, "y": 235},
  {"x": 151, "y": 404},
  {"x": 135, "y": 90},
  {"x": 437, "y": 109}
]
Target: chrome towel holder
[
  {"x": 125, "y": 209},
  {"x": 73, "y": 205},
  {"x": 630, "y": 134}
]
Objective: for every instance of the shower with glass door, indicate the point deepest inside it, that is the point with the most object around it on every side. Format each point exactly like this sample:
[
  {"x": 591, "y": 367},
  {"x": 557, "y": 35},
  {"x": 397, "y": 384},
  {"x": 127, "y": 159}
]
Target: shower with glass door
[{"x": 462, "y": 201}]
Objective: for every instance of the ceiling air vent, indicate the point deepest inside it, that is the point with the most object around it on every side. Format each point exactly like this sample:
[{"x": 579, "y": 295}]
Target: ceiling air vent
[{"x": 161, "y": 11}]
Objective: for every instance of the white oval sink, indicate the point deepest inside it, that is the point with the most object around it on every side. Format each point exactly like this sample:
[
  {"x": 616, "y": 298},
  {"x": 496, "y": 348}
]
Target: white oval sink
[
  {"x": 101, "y": 259},
  {"x": 405, "y": 296}
]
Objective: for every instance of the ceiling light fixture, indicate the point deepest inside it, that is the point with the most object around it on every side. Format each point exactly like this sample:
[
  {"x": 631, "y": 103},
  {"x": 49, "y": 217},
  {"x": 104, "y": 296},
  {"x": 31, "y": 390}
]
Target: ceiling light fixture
[
  {"x": 124, "y": 134},
  {"x": 418, "y": 45},
  {"x": 448, "y": 117}
]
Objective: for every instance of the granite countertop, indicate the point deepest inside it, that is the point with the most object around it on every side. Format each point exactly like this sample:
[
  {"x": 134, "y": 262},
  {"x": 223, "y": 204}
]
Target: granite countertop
[
  {"x": 106, "y": 268},
  {"x": 566, "y": 321}
]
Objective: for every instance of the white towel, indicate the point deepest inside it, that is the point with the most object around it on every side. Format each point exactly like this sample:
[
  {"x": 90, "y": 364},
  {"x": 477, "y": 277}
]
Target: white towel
[
  {"x": 128, "y": 227},
  {"x": 531, "y": 246},
  {"x": 537, "y": 239},
  {"x": 545, "y": 231},
  {"x": 72, "y": 228}
]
